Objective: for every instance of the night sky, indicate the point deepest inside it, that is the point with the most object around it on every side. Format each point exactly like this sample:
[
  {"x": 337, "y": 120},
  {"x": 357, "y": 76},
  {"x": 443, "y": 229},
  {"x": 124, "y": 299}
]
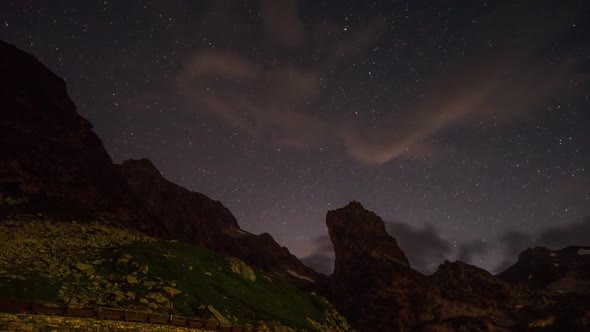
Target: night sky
[{"x": 464, "y": 124}]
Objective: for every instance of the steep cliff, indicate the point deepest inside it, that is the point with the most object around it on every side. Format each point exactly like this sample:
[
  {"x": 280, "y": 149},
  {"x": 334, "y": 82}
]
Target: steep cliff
[
  {"x": 51, "y": 160},
  {"x": 373, "y": 284}
]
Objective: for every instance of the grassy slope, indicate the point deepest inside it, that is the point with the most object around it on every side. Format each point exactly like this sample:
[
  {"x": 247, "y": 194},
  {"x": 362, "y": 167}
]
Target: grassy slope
[
  {"x": 265, "y": 299},
  {"x": 203, "y": 278}
]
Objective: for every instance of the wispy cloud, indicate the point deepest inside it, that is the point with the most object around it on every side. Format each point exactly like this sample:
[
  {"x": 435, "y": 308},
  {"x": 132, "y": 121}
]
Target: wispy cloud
[
  {"x": 498, "y": 80},
  {"x": 282, "y": 22}
]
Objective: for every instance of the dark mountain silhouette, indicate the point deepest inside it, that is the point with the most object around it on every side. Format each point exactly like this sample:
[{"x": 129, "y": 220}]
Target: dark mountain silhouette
[
  {"x": 374, "y": 286},
  {"x": 194, "y": 218},
  {"x": 50, "y": 158},
  {"x": 53, "y": 163},
  {"x": 565, "y": 270}
]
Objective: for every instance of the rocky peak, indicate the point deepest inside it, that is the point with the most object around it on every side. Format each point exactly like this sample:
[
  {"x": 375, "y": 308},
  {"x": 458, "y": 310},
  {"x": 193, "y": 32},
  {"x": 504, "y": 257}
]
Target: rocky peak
[
  {"x": 359, "y": 234},
  {"x": 51, "y": 160},
  {"x": 373, "y": 284}
]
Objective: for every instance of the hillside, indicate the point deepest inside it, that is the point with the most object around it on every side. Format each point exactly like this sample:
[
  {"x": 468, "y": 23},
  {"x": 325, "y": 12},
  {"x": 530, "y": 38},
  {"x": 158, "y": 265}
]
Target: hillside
[{"x": 102, "y": 264}]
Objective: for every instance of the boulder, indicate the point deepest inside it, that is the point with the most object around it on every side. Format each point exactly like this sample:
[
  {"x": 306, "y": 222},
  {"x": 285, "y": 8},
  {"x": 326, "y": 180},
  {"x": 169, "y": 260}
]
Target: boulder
[
  {"x": 131, "y": 279},
  {"x": 218, "y": 315},
  {"x": 84, "y": 267},
  {"x": 239, "y": 267}
]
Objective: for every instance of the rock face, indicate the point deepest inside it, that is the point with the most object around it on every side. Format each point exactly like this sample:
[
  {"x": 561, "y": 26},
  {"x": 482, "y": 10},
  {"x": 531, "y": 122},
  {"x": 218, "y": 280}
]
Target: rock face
[
  {"x": 373, "y": 284},
  {"x": 52, "y": 162},
  {"x": 51, "y": 159},
  {"x": 458, "y": 281},
  {"x": 182, "y": 215},
  {"x": 359, "y": 234},
  {"x": 566, "y": 270}
]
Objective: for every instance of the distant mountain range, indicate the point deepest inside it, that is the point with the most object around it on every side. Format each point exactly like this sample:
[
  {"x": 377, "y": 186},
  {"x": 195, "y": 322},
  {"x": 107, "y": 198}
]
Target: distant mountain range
[
  {"x": 52, "y": 163},
  {"x": 565, "y": 270}
]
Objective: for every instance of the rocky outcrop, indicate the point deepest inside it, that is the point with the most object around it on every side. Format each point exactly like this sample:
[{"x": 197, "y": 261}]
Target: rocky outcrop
[
  {"x": 51, "y": 160},
  {"x": 565, "y": 270},
  {"x": 241, "y": 268},
  {"x": 373, "y": 284},
  {"x": 359, "y": 234},
  {"x": 181, "y": 214},
  {"x": 458, "y": 281},
  {"x": 199, "y": 220}
]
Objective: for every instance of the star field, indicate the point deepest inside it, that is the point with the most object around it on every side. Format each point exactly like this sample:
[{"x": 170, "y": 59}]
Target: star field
[{"x": 467, "y": 118}]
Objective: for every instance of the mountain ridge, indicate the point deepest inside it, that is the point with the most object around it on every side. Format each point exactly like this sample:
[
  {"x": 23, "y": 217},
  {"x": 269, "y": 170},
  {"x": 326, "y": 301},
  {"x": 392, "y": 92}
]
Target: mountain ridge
[
  {"x": 566, "y": 269},
  {"x": 53, "y": 163},
  {"x": 376, "y": 289}
]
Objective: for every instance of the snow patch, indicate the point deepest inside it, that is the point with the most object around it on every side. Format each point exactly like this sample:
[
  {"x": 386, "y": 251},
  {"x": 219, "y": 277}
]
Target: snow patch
[
  {"x": 553, "y": 254},
  {"x": 297, "y": 275},
  {"x": 583, "y": 252}
]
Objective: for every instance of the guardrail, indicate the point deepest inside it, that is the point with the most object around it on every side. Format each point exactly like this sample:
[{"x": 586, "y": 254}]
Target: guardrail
[{"x": 117, "y": 314}]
